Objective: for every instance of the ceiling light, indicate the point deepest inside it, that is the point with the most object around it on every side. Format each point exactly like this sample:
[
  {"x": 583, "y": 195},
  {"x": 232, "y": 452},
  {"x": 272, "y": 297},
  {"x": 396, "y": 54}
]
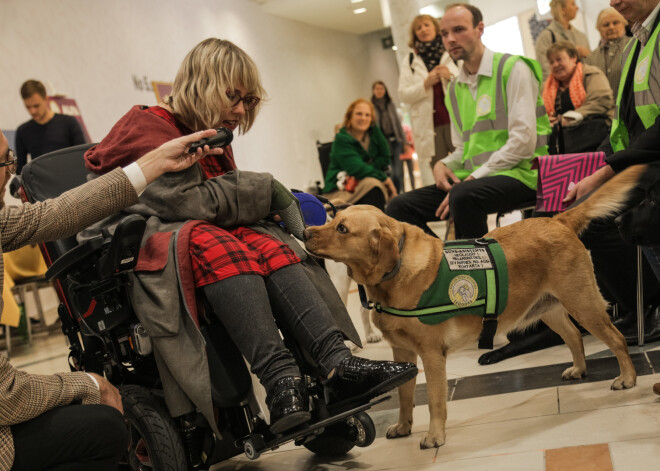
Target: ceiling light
[
  {"x": 356, "y": 1},
  {"x": 357, "y": 11},
  {"x": 394, "y": 48}
]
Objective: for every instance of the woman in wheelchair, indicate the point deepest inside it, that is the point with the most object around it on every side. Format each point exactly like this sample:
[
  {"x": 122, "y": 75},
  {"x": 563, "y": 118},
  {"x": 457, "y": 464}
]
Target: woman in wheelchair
[{"x": 207, "y": 232}]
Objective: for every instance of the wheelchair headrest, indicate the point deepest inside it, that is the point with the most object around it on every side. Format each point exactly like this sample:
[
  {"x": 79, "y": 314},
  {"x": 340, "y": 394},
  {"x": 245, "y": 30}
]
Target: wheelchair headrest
[{"x": 54, "y": 173}]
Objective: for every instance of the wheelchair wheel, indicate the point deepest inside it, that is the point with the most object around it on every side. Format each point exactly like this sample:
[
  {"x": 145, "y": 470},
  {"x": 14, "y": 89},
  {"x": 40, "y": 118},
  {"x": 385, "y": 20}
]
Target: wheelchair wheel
[
  {"x": 340, "y": 438},
  {"x": 155, "y": 443}
]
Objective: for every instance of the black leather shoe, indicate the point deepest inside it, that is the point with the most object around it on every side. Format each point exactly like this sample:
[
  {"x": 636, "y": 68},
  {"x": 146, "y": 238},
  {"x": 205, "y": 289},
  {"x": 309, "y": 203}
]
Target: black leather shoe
[
  {"x": 651, "y": 327},
  {"x": 626, "y": 324},
  {"x": 356, "y": 380},
  {"x": 288, "y": 404}
]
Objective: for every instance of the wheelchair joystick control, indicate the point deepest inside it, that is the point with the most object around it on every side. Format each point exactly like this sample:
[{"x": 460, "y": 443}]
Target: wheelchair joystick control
[{"x": 141, "y": 340}]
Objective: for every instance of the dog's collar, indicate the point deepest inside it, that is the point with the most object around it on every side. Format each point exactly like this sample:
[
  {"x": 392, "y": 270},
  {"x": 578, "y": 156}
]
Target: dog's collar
[{"x": 397, "y": 266}]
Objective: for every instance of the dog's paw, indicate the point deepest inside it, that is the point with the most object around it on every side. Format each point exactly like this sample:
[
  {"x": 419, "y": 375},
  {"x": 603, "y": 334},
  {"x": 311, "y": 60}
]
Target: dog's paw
[
  {"x": 432, "y": 441},
  {"x": 354, "y": 348},
  {"x": 621, "y": 383},
  {"x": 573, "y": 373},
  {"x": 399, "y": 430},
  {"x": 374, "y": 336}
]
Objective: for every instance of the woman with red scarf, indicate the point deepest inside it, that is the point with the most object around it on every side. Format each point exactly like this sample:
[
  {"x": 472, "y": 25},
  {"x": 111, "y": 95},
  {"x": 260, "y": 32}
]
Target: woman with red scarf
[
  {"x": 575, "y": 95},
  {"x": 209, "y": 233}
]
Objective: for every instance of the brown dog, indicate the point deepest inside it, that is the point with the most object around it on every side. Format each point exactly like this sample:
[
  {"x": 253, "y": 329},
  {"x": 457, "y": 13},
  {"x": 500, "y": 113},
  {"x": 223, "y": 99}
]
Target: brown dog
[{"x": 550, "y": 276}]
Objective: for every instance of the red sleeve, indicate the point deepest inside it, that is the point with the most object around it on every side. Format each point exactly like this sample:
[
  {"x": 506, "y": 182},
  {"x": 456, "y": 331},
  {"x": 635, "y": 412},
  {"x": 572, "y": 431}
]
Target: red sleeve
[{"x": 135, "y": 134}]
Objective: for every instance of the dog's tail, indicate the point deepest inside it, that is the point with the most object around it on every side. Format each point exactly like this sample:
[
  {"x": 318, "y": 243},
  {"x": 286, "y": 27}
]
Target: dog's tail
[{"x": 606, "y": 201}]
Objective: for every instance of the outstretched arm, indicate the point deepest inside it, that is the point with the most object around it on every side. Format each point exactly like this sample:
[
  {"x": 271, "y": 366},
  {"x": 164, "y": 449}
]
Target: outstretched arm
[{"x": 78, "y": 208}]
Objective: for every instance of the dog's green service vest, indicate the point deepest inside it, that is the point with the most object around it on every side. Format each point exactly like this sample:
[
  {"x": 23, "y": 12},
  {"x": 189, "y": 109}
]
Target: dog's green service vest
[{"x": 472, "y": 278}]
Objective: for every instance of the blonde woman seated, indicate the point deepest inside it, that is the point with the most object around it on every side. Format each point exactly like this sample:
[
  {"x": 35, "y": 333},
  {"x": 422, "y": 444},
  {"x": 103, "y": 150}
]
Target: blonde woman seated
[
  {"x": 577, "y": 98},
  {"x": 359, "y": 160}
]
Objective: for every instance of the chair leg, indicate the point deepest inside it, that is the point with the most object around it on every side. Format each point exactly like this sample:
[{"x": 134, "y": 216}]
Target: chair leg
[
  {"x": 37, "y": 301},
  {"x": 28, "y": 325},
  {"x": 22, "y": 295},
  {"x": 640, "y": 298}
]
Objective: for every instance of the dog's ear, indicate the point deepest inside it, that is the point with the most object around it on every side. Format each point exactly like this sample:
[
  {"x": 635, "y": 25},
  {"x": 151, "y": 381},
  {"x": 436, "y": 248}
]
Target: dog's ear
[{"x": 385, "y": 249}]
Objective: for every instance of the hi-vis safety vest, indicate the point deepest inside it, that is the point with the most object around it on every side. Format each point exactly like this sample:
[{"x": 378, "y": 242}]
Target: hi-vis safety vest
[
  {"x": 646, "y": 90},
  {"x": 484, "y": 122}
]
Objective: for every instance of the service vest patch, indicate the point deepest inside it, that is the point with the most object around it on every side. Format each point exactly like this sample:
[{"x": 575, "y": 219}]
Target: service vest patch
[{"x": 472, "y": 279}]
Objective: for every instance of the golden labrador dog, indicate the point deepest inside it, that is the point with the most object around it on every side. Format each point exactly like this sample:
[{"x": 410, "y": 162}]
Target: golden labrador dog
[{"x": 550, "y": 277}]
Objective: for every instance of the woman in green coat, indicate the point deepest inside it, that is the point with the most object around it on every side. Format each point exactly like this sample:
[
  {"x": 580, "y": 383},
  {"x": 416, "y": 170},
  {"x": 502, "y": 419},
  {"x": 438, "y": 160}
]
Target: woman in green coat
[{"x": 359, "y": 160}]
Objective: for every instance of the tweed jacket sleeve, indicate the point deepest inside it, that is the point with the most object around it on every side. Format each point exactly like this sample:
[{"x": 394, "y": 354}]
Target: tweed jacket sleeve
[
  {"x": 24, "y": 396},
  {"x": 66, "y": 215}
]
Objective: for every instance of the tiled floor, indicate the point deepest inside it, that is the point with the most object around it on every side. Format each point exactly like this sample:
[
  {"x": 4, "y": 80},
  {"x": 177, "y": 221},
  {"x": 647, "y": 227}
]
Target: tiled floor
[{"x": 566, "y": 426}]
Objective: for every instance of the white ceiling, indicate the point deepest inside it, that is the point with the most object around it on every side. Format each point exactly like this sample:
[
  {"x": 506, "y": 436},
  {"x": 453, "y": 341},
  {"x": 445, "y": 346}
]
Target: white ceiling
[{"x": 329, "y": 14}]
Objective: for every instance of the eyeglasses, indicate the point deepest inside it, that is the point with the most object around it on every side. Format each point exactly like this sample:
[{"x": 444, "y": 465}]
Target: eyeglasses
[
  {"x": 249, "y": 101},
  {"x": 10, "y": 161}
]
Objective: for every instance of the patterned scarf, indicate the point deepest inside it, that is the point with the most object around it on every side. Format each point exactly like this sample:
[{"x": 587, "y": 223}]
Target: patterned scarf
[
  {"x": 575, "y": 89},
  {"x": 430, "y": 52}
]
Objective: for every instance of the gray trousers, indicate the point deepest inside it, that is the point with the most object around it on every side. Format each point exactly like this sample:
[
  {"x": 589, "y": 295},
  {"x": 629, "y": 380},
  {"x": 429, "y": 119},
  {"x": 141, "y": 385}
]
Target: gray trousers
[{"x": 249, "y": 305}]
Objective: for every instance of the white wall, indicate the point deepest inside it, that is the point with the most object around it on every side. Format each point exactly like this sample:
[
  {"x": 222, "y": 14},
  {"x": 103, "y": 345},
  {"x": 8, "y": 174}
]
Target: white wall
[
  {"x": 381, "y": 65},
  {"x": 90, "y": 50}
]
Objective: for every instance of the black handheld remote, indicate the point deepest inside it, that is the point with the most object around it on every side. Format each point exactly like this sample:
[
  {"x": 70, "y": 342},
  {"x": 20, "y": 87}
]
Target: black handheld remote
[{"x": 223, "y": 138}]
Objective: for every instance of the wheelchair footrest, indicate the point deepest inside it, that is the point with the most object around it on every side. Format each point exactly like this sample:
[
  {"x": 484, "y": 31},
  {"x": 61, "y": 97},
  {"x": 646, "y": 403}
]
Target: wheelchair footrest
[{"x": 255, "y": 444}]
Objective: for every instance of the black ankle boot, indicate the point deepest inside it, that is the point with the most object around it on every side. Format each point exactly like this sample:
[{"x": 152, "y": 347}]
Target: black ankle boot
[
  {"x": 356, "y": 380},
  {"x": 288, "y": 404},
  {"x": 626, "y": 324}
]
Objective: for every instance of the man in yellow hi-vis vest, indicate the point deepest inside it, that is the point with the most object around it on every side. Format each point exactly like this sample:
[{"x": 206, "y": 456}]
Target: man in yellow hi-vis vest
[
  {"x": 633, "y": 140},
  {"x": 498, "y": 125}
]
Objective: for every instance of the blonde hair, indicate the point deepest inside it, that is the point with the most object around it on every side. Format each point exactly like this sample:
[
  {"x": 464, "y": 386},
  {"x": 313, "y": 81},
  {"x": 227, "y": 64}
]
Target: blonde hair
[
  {"x": 351, "y": 108},
  {"x": 209, "y": 70},
  {"x": 556, "y": 10},
  {"x": 613, "y": 11},
  {"x": 417, "y": 20}
]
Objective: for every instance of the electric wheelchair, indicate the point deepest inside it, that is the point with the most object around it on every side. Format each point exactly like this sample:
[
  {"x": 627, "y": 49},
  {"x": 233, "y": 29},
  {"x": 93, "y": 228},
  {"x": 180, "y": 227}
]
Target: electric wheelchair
[{"x": 106, "y": 337}]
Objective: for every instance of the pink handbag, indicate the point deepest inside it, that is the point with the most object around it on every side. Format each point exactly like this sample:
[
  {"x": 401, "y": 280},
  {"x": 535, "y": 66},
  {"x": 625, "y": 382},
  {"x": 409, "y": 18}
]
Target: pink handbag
[{"x": 557, "y": 174}]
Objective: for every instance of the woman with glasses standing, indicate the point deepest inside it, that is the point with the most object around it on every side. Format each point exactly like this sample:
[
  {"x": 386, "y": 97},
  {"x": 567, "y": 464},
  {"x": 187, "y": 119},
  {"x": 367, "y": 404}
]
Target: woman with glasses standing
[
  {"x": 207, "y": 233},
  {"x": 608, "y": 55}
]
